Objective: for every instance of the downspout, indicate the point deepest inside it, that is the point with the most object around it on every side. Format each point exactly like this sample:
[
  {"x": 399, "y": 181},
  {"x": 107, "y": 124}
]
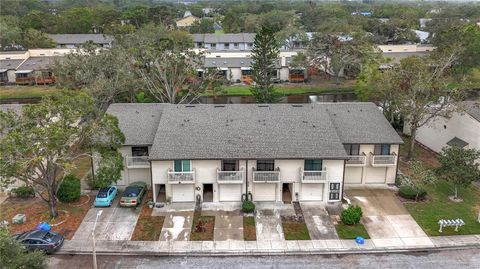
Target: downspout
[
  {"x": 343, "y": 181},
  {"x": 246, "y": 181},
  {"x": 396, "y": 168},
  {"x": 151, "y": 182}
]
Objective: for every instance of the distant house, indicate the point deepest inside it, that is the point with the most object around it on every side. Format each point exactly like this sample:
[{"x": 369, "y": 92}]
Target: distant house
[
  {"x": 240, "y": 41},
  {"x": 461, "y": 129},
  {"x": 72, "y": 41},
  {"x": 398, "y": 52},
  {"x": 187, "y": 21},
  {"x": 36, "y": 70}
]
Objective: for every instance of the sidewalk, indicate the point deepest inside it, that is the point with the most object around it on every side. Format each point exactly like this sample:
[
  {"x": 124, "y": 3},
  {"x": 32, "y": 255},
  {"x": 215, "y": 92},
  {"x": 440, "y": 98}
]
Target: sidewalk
[{"x": 264, "y": 247}]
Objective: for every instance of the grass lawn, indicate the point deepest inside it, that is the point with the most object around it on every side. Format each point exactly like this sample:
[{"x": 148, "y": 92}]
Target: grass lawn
[
  {"x": 148, "y": 227},
  {"x": 244, "y": 90},
  {"x": 438, "y": 206},
  {"x": 294, "y": 230},
  {"x": 26, "y": 91},
  {"x": 209, "y": 224},
  {"x": 249, "y": 231},
  {"x": 351, "y": 231}
]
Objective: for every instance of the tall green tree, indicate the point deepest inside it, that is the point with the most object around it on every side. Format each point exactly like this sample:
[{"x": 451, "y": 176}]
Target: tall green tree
[
  {"x": 335, "y": 53},
  {"x": 42, "y": 143},
  {"x": 15, "y": 257},
  {"x": 265, "y": 54},
  {"x": 460, "y": 166}
]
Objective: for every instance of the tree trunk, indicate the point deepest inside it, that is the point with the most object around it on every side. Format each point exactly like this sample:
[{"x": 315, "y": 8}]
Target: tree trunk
[
  {"x": 52, "y": 203},
  {"x": 411, "y": 150},
  {"x": 456, "y": 192}
]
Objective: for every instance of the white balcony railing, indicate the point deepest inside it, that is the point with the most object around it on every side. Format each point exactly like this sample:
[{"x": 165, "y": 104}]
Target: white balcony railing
[
  {"x": 137, "y": 161},
  {"x": 266, "y": 176},
  {"x": 181, "y": 177},
  {"x": 384, "y": 160},
  {"x": 356, "y": 160},
  {"x": 313, "y": 176},
  {"x": 230, "y": 176}
]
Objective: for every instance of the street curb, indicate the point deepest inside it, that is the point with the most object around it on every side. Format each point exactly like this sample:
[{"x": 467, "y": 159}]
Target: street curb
[{"x": 270, "y": 252}]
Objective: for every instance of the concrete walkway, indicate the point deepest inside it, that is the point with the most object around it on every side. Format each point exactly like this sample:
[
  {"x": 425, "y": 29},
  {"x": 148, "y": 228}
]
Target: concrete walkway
[
  {"x": 318, "y": 221},
  {"x": 231, "y": 247}
]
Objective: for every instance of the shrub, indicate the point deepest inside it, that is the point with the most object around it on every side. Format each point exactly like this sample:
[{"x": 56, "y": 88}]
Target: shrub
[
  {"x": 351, "y": 215},
  {"x": 93, "y": 184},
  {"x": 248, "y": 207},
  {"x": 69, "y": 190},
  {"x": 412, "y": 193},
  {"x": 23, "y": 191}
]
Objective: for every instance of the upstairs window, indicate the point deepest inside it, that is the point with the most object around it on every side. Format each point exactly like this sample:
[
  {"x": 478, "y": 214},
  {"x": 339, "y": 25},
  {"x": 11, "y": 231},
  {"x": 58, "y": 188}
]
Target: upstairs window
[
  {"x": 352, "y": 149},
  {"x": 229, "y": 165},
  {"x": 382, "y": 149},
  {"x": 265, "y": 165},
  {"x": 182, "y": 165},
  {"x": 139, "y": 151},
  {"x": 313, "y": 165}
]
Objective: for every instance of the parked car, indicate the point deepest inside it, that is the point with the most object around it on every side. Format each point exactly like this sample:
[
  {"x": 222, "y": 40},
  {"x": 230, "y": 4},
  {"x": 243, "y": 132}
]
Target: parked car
[
  {"x": 133, "y": 194},
  {"x": 105, "y": 196},
  {"x": 45, "y": 241}
]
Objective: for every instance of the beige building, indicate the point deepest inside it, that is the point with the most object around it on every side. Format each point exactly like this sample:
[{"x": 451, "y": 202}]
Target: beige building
[{"x": 271, "y": 152}]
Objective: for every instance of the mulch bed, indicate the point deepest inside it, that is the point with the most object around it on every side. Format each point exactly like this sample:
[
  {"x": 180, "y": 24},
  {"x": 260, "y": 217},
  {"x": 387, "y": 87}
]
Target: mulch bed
[
  {"x": 148, "y": 227},
  {"x": 36, "y": 211},
  {"x": 249, "y": 231},
  {"x": 202, "y": 227}
]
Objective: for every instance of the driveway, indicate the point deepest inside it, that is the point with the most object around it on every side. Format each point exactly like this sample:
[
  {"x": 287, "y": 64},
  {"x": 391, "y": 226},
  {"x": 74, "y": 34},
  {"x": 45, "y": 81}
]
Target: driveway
[
  {"x": 268, "y": 223},
  {"x": 177, "y": 226},
  {"x": 115, "y": 223},
  {"x": 319, "y": 224},
  {"x": 228, "y": 224},
  {"x": 386, "y": 219}
]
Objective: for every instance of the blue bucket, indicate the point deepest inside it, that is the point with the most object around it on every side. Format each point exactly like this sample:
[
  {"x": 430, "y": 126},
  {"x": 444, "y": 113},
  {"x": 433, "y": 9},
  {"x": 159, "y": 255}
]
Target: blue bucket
[
  {"x": 360, "y": 240},
  {"x": 43, "y": 226}
]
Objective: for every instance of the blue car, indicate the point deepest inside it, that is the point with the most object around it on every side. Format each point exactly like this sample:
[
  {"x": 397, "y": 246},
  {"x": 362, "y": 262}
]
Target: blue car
[{"x": 106, "y": 196}]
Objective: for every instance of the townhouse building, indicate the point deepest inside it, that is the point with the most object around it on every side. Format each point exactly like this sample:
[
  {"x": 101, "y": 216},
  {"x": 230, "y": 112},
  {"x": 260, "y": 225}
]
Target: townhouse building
[{"x": 263, "y": 152}]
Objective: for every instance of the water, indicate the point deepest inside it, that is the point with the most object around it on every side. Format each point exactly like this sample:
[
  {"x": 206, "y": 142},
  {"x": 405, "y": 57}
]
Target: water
[{"x": 289, "y": 99}]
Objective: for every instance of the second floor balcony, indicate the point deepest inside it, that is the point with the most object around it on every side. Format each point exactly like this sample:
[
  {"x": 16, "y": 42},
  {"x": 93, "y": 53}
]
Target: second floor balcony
[
  {"x": 230, "y": 176},
  {"x": 313, "y": 176},
  {"x": 137, "y": 161},
  {"x": 356, "y": 160},
  {"x": 266, "y": 176},
  {"x": 181, "y": 177},
  {"x": 384, "y": 160}
]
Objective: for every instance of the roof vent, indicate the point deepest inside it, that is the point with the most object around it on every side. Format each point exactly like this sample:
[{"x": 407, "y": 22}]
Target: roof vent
[
  {"x": 189, "y": 106},
  {"x": 218, "y": 106},
  {"x": 263, "y": 106},
  {"x": 217, "y": 56},
  {"x": 297, "y": 105},
  {"x": 136, "y": 111}
]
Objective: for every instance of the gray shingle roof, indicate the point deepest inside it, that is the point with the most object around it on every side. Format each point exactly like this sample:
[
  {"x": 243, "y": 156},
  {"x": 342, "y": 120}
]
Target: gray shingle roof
[
  {"x": 224, "y": 38},
  {"x": 138, "y": 122},
  {"x": 472, "y": 108},
  {"x": 361, "y": 123},
  {"x": 231, "y": 62},
  {"x": 246, "y": 131},
  {"x": 457, "y": 142},
  {"x": 17, "y": 108},
  {"x": 39, "y": 63},
  {"x": 81, "y": 38},
  {"x": 10, "y": 64}
]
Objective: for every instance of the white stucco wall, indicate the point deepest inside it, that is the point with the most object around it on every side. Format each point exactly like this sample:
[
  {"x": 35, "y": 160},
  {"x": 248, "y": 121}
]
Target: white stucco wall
[
  {"x": 437, "y": 133},
  {"x": 236, "y": 74}
]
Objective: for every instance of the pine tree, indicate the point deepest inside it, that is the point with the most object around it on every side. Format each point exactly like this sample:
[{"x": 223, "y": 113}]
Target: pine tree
[{"x": 265, "y": 54}]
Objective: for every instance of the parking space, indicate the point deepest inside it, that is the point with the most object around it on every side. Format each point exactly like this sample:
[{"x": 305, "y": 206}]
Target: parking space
[
  {"x": 115, "y": 223},
  {"x": 385, "y": 217},
  {"x": 177, "y": 226},
  {"x": 319, "y": 224}
]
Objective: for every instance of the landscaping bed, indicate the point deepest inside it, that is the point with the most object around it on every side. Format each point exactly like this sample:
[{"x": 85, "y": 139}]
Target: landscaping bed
[
  {"x": 202, "y": 232},
  {"x": 148, "y": 227},
  {"x": 36, "y": 210},
  {"x": 351, "y": 231},
  {"x": 294, "y": 228},
  {"x": 249, "y": 231}
]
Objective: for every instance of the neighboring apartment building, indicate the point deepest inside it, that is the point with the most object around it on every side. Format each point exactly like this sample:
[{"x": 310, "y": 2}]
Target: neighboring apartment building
[
  {"x": 268, "y": 152},
  {"x": 461, "y": 129},
  {"x": 72, "y": 41}
]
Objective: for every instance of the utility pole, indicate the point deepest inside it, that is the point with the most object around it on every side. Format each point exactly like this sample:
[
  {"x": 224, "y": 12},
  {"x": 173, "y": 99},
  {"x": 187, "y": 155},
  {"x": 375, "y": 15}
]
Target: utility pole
[{"x": 93, "y": 237}]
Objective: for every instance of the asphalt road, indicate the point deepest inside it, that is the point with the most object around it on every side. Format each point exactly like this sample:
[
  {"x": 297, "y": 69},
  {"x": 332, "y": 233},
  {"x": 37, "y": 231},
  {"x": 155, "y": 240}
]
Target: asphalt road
[{"x": 458, "y": 259}]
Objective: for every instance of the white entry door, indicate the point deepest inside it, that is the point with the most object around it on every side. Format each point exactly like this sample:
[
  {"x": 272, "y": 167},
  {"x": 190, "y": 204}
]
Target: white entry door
[
  {"x": 312, "y": 192},
  {"x": 230, "y": 192},
  {"x": 183, "y": 193},
  {"x": 264, "y": 192}
]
